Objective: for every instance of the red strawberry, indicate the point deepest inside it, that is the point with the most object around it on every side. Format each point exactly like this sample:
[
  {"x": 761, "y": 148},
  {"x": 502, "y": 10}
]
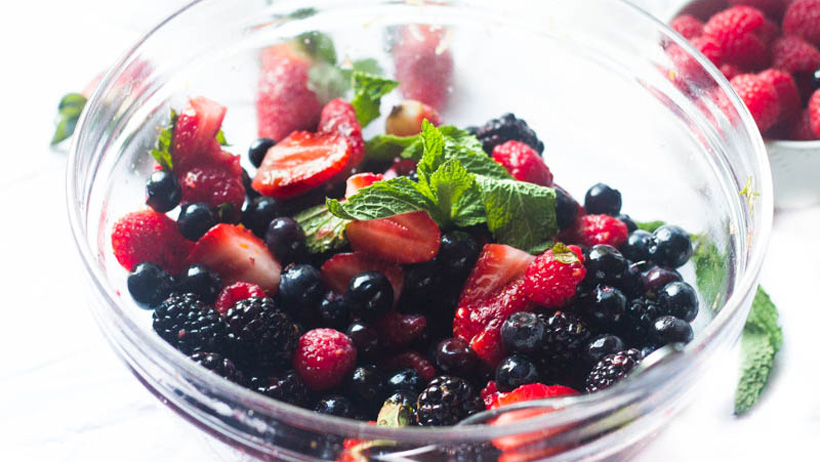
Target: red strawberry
[
  {"x": 148, "y": 236},
  {"x": 323, "y": 358},
  {"x": 397, "y": 330},
  {"x": 788, "y": 95},
  {"x": 688, "y": 26},
  {"x": 529, "y": 393},
  {"x": 338, "y": 116},
  {"x": 802, "y": 19},
  {"x": 213, "y": 184},
  {"x": 497, "y": 265},
  {"x": 771, "y": 8},
  {"x": 400, "y": 167},
  {"x": 340, "y": 269},
  {"x": 236, "y": 292},
  {"x": 760, "y": 96},
  {"x": 552, "y": 278},
  {"x": 285, "y": 103},
  {"x": 592, "y": 230},
  {"x": 801, "y": 130},
  {"x": 407, "y": 238},
  {"x": 359, "y": 181},
  {"x": 793, "y": 54},
  {"x": 301, "y": 162},
  {"x": 424, "y": 64},
  {"x": 814, "y": 112},
  {"x": 490, "y": 393},
  {"x": 405, "y": 119},
  {"x": 523, "y": 163},
  {"x": 743, "y": 34},
  {"x": 237, "y": 255},
  {"x": 412, "y": 360},
  {"x": 195, "y": 133}
]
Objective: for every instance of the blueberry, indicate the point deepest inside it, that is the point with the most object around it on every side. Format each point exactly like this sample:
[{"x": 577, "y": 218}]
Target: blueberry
[
  {"x": 250, "y": 193},
  {"x": 149, "y": 284},
  {"x": 602, "y": 345},
  {"x": 457, "y": 254},
  {"x": 370, "y": 295},
  {"x": 454, "y": 356},
  {"x": 601, "y": 199},
  {"x": 406, "y": 379},
  {"x": 301, "y": 289},
  {"x": 162, "y": 191},
  {"x": 672, "y": 246},
  {"x": 334, "y": 313},
  {"x": 523, "y": 332},
  {"x": 604, "y": 306},
  {"x": 631, "y": 226},
  {"x": 286, "y": 240},
  {"x": 636, "y": 247},
  {"x": 195, "y": 220},
  {"x": 657, "y": 277},
  {"x": 566, "y": 209},
  {"x": 605, "y": 264},
  {"x": 669, "y": 329},
  {"x": 632, "y": 282},
  {"x": 679, "y": 299},
  {"x": 200, "y": 280},
  {"x": 365, "y": 338},
  {"x": 648, "y": 350},
  {"x": 514, "y": 371},
  {"x": 421, "y": 284},
  {"x": 259, "y": 213},
  {"x": 366, "y": 385},
  {"x": 258, "y": 149},
  {"x": 337, "y": 405},
  {"x": 816, "y": 79}
]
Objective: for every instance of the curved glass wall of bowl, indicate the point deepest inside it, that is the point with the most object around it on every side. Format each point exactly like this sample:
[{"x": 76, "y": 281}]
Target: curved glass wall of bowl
[{"x": 608, "y": 102}]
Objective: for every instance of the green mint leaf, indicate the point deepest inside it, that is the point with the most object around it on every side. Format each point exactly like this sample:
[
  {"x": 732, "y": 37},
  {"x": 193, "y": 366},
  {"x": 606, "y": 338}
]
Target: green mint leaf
[
  {"x": 323, "y": 230},
  {"x": 162, "y": 151},
  {"x": 318, "y": 45},
  {"x": 432, "y": 142},
  {"x": 761, "y": 340},
  {"x": 649, "y": 226},
  {"x": 519, "y": 214},
  {"x": 385, "y": 148},
  {"x": 381, "y": 200},
  {"x": 454, "y": 192},
  {"x": 541, "y": 248},
  {"x": 368, "y": 90},
  {"x": 564, "y": 254},
  {"x": 710, "y": 270},
  {"x": 68, "y": 113},
  {"x": 220, "y": 138},
  {"x": 327, "y": 81}
]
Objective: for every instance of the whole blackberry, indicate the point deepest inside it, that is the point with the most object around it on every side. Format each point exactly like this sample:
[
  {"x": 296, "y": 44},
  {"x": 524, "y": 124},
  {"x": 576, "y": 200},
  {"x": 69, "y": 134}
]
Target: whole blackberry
[
  {"x": 565, "y": 339},
  {"x": 288, "y": 388},
  {"x": 506, "y": 128},
  {"x": 612, "y": 369},
  {"x": 191, "y": 326},
  {"x": 219, "y": 365},
  {"x": 637, "y": 321},
  {"x": 266, "y": 335},
  {"x": 446, "y": 401}
]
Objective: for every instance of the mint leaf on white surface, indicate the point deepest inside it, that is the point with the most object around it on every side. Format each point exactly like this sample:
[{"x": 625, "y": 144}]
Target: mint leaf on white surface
[
  {"x": 323, "y": 230},
  {"x": 762, "y": 338},
  {"x": 68, "y": 113},
  {"x": 368, "y": 90},
  {"x": 162, "y": 151}
]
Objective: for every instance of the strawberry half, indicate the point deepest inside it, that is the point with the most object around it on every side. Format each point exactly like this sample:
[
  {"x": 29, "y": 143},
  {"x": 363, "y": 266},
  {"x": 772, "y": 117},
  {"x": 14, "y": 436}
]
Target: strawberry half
[
  {"x": 497, "y": 265},
  {"x": 237, "y": 255},
  {"x": 338, "y": 116},
  {"x": 148, "y": 236},
  {"x": 406, "y": 238},
  {"x": 359, "y": 181},
  {"x": 424, "y": 64},
  {"x": 195, "y": 132},
  {"x": 339, "y": 270},
  {"x": 301, "y": 162},
  {"x": 515, "y": 445}
]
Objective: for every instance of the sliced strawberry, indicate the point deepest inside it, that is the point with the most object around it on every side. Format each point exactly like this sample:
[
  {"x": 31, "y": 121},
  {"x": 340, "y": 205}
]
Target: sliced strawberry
[
  {"x": 236, "y": 254},
  {"x": 397, "y": 330},
  {"x": 284, "y": 102},
  {"x": 424, "y": 64},
  {"x": 148, "y": 236},
  {"x": 523, "y": 163},
  {"x": 359, "y": 181},
  {"x": 400, "y": 167},
  {"x": 338, "y": 116},
  {"x": 530, "y": 392},
  {"x": 301, "y": 162},
  {"x": 497, "y": 265},
  {"x": 213, "y": 184},
  {"x": 407, "y": 238},
  {"x": 339, "y": 270},
  {"x": 406, "y": 118},
  {"x": 515, "y": 444},
  {"x": 195, "y": 132}
]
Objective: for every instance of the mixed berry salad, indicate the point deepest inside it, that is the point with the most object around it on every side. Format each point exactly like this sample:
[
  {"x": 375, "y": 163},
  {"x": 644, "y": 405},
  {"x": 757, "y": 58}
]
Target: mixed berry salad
[{"x": 433, "y": 269}]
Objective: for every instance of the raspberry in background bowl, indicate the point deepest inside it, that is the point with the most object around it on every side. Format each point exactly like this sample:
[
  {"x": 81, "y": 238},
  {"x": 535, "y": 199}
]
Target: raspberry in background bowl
[{"x": 671, "y": 152}]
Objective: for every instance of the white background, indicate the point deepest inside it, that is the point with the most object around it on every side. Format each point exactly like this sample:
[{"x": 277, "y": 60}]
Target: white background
[{"x": 64, "y": 396}]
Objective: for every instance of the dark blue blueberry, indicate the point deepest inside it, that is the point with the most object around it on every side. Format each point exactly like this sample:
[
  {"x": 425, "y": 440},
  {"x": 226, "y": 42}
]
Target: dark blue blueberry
[
  {"x": 514, "y": 371},
  {"x": 603, "y": 306},
  {"x": 679, "y": 299},
  {"x": 334, "y": 313},
  {"x": 200, "y": 280},
  {"x": 631, "y": 226},
  {"x": 337, "y": 405},
  {"x": 370, "y": 295},
  {"x": 602, "y": 345},
  {"x": 604, "y": 265},
  {"x": 286, "y": 240},
  {"x": 250, "y": 193},
  {"x": 258, "y": 149},
  {"x": 454, "y": 356},
  {"x": 406, "y": 379},
  {"x": 149, "y": 284},
  {"x": 457, "y": 254},
  {"x": 601, "y": 199},
  {"x": 301, "y": 289},
  {"x": 195, "y": 220},
  {"x": 523, "y": 333},
  {"x": 162, "y": 191},
  {"x": 365, "y": 338},
  {"x": 816, "y": 79},
  {"x": 636, "y": 247},
  {"x": 658, "y": 277},
  {"x": 421, "y": 287},
  {"x": 259, "y": 213},
  {"x": 669, "y": 329},
  {"x": 366, "y": 386},
  {"x": 566, "y": 209},
  {"x": 672, "y": 246}
]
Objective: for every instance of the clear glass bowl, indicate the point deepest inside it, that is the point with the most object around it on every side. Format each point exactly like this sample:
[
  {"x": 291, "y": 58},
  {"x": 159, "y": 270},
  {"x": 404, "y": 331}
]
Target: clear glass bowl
[{"x": 608, "y": 100}]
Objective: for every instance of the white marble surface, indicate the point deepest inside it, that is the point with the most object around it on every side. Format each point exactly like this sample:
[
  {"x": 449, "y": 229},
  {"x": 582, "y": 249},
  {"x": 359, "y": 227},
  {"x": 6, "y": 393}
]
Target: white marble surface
[{"x": 64, "y": 396}]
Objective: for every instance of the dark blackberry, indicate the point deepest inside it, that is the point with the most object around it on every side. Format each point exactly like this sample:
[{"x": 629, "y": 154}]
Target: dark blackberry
[
  {"x": 259, "y": 213},
  {"x": 636, "y": 247},
  {"x": 334, "y": 312},
  {"x": 370, "y": 294},
  {"x": 523, "y": 332},
  {"x": 446, "y": 401},
  {"x": 366, "y": 386},
  {"x": 631, "y": 226},
  {"x": 514, "y": 371},
  {"x": 149, "y": 284},
  {"x": 191, "y": 326},
  {"x": 405, "y": 379},
  {"x": 219, "y": 365},
  {"x": 337, "y": 405},
  {"x": 162, "y": 191},
  {"x": 637, "y": 321},
  {"x": 565, "y": 339},
  {"x": 672, "y": 246},
  {"x": 566, "y": 209},
  {"x": 612, "y": 369},
  {"x": 365, "y": 338},
  {"x": 657, "y": 277},
  {"x": 457, "y": 254},
  {"x": 454, "y": 356},
  {"x": 604, "y": 265},
  {"x": 604, "y": 306},
  {"x": 258, "y": 149},
  {"x": 680, "y": 300},
  {"x": 301, "y": 289},
  {"x": 669, "y": 329},
  {"x": 196, "y": 219},
  {"x": 601, "y": 199},
  {"x": 286, "y": 240},
  {"x": 266, "y": 334},
  {"x": 506, "y": 128},
  {"x": 601, "y": 346},
  {"x": 201, "y": 281},
  {"x": 288, "y": 388}
]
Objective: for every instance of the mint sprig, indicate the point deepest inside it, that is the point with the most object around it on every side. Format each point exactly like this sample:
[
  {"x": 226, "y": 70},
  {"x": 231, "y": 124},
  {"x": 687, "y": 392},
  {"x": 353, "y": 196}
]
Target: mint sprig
[
  {"x": 68, "y": 113},
  {"x": 368, "y": 90},
  {"x": 762, "y": 339},
  {"x": 323, "y": 230},
  {"x": 162, "y": 152}
]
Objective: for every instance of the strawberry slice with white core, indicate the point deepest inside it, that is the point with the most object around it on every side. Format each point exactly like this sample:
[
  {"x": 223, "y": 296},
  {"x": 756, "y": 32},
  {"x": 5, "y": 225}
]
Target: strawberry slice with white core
[
  {"x": 195, "y": 132},
  {"x": 406, "y": 238},
  {"x": 236, "y": 254},
  {"x": 339, "y": 270},
  {"x": 497, "y": 265},
  {"x": 359, "y": 181}
]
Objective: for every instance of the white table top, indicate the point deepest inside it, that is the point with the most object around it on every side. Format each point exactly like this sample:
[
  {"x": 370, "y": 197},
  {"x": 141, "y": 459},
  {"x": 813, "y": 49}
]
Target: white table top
[{"x": 65, "y": 396}]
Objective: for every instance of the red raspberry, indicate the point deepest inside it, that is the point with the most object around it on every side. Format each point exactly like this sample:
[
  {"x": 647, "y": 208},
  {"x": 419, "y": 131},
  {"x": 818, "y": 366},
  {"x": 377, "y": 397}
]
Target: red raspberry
[
  {"x": 412, "y": 360},
  {"x": 801, "y": 130},
  {"x": 814, "y": 112},
  {"x": 592, "y": 230},
  {"x": 396, "y": 329},
  {"x": 802, "y": 19},
  {"x": 793, "y": 54},
  {"x": 710, "y": 48},
  {"x": 771, "y": 8},
  {"x": 688, "y": 26},
  {"x": 523, "y": 163},
  {"x": 236, "y": 292},
  {"x": 788, "y": 95},
  {"x": 489, "y": 394},
  {"x": 760, "y": 96},
  {"x": 323, "y": 358},
  {"x": 551, "y": 279},
  {"x": 148, "y": 236},
  {"x": 730, "y": 71},
  {"x": 743, "y": 34}
]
